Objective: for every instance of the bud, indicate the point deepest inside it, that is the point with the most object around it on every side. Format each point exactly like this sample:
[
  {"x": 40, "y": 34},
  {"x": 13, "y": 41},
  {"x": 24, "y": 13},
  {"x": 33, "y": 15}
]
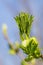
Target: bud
[
  {"x": 25, "y": 43},
  {"x": 4, "y": 29},
  {"x": 34, "y": 40}
]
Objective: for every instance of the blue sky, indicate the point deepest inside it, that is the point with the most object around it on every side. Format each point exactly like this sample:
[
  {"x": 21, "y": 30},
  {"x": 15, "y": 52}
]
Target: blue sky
[{"x": 9, "y": 9}]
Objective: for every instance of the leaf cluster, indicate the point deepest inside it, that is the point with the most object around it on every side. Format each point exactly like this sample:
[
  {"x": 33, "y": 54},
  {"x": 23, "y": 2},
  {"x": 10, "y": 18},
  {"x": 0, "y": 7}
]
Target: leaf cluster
[
  {"x": 24, "y": 21},
  {"x": 31, "y": 49}
]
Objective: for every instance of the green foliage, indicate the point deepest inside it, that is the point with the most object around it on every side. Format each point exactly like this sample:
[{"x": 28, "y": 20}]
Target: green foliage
[
  {"x": 31, "y": 49},
  {"x": 29, "y": 44},
  {"x": 24, "y": 21}
]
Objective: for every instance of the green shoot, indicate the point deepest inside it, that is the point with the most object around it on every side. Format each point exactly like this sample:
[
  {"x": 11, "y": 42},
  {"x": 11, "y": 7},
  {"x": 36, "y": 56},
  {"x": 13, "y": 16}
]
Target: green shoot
[{"x": 24, "y": 21}]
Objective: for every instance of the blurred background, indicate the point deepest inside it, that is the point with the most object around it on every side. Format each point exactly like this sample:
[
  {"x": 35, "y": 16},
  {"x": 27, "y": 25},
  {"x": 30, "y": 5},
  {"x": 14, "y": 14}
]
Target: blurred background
[{"x": 8, "y": 10}]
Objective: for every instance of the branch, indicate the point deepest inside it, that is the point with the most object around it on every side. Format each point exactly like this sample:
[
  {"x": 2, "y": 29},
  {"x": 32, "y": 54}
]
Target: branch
[{"x": 41, "y": 56}]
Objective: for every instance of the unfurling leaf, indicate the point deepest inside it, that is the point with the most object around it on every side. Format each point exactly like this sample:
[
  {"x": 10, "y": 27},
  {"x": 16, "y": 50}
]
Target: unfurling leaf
[{"x": 24, "y": 21}]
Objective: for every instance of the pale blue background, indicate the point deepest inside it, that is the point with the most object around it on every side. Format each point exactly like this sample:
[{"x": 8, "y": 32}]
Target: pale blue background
[{"x": 9, "y": 9}]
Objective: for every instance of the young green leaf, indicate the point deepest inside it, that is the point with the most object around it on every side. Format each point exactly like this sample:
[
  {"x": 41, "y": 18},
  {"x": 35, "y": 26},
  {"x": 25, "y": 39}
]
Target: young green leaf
[{"x": 24, "y": 21}]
